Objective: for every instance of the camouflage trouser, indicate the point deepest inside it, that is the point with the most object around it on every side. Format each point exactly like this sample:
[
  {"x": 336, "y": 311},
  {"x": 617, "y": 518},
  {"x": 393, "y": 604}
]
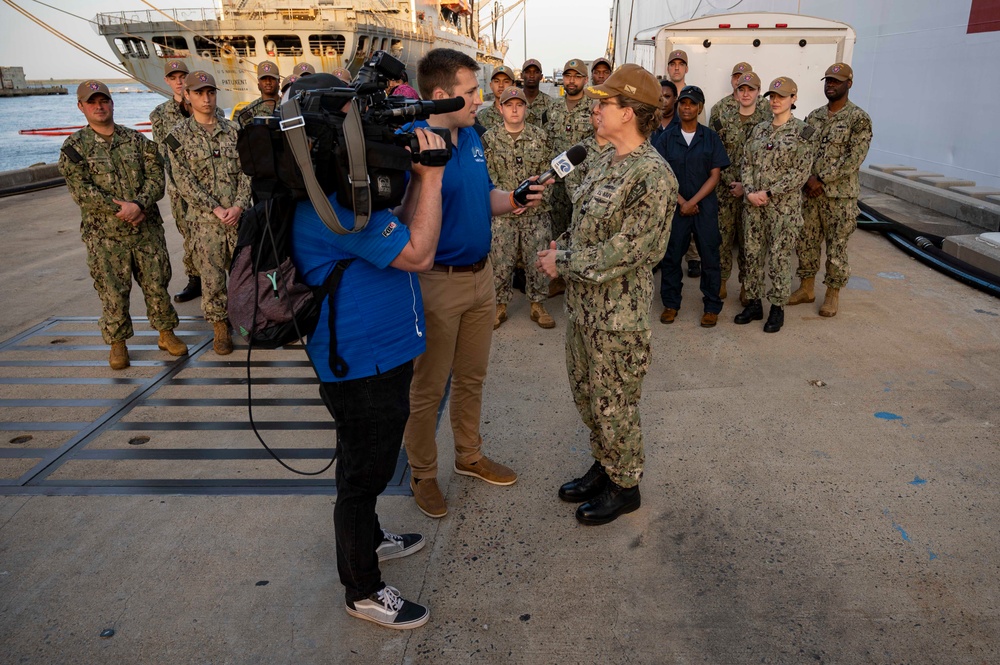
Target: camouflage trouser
[
  {"x": 606, "y": 369},
  {"x": 770, "y": 234},
  {"x": 113, "y": 262},
  {"x": 731, "y": 230},
  {"x": 520, "y": 237},
  {"x": 179, "y": 210},
  {"x": 562, "y": 209},
  {"x": 833, "y": 220},
  {"x": 213, "y": 245}
]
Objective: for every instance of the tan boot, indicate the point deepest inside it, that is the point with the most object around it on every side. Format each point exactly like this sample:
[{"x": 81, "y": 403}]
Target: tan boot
[
  {"x": 556, "y": 287},
  {"x": 804, "y": 293},
  {"x": 168, "y": 342},
  {"x": 830, "y": 303},
  {"x": 119, "y": 356},
  {"x": 223, "y": 344},
  {"x": 722, "y": 292},
  {"x": 501, "y": 316},
  {"x": 541, "y": 317}
]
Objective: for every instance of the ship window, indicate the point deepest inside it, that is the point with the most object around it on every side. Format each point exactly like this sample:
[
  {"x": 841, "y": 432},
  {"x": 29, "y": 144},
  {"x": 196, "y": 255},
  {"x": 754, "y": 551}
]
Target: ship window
[
  {"x": 277, "y": 45},
  {"x": 327, "y": 44},
  {"x": 244, "y": 45},
  {"x": 362, "y": 44},
  {"x": 397, "y": 47},
  {"x": 231, "y": 45},
  {"x": 132, "y": 47},
  {"x": 169, "y": 46},
  {"x": 207, "y": 48}
]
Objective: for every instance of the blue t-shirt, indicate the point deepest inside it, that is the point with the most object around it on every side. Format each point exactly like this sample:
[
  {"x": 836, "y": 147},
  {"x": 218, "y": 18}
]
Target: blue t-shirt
[
  {"x": 466, "y": 213},
  {"x": 692, "y": 164},
  {"x": 380, "y": 316}
]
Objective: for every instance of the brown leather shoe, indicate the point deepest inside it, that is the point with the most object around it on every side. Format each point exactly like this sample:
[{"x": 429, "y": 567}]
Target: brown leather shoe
[
  {"x": 223, "y": 344},
  {"x": 708, "y": 320},
  {"x": 168, "y": 342},
  {"x": 488, "y": 470},
  {"x": 428, "y": 496},
  {"x": 722, "y": 291},
  {"x": 119, "y": 356},
  {"x": 668, "y": 315},
  {"x": 541, "y": 317}
]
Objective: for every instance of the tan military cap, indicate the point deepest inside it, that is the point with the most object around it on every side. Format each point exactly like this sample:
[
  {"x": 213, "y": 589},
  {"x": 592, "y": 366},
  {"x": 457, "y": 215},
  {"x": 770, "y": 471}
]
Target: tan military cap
[
  {"x": 742, "y": 68},
  {"x": 600, "y": 61},
  {"x": 631, "y": 81},
  {"x": 88, "y": 89},
  {"x": 267, "y": 68},
  {"x": 840, "y": 71},
  {"x": 172, "y": 66},
  {"x": 343, "y": 74},
  {"x": 577, "y": 66},
  {"x": 749, "y": 79},
  {"x": 677, "y": 55},
  {"x": 505, "y": 70},
  {"x": 303, "y": 68},
  {"x": 199, "y": 79},
  {"x": 783, "y": 87},
  {"x": 512, "y": 93},
  {"x": 531, "y": 62}
]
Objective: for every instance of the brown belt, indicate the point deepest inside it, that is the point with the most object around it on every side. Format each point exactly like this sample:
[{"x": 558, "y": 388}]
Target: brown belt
[{"x": 475, "y": 267}]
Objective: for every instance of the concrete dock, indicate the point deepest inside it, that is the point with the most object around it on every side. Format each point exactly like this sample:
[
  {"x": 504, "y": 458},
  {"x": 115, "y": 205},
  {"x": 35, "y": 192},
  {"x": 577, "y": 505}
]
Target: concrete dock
[{"x": 825, "y": 494}]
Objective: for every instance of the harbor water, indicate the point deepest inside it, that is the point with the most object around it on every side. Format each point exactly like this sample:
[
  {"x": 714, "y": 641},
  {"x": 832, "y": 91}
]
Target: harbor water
[{"x": 16, "y": 113}]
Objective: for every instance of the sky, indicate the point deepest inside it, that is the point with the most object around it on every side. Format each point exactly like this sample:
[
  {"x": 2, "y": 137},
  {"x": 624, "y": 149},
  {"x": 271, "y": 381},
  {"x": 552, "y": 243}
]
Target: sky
[{"x": 557, "y": 31}]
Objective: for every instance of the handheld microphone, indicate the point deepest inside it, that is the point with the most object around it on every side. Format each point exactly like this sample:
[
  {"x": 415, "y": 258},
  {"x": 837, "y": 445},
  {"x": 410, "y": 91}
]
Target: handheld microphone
[{"x": 562, "y": 166}]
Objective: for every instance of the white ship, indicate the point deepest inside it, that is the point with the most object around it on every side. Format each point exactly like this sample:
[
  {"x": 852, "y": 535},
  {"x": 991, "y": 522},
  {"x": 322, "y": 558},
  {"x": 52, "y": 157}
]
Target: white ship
[
  {"x": 231, "y": 39},
  {"x": 925, "y": 70}
]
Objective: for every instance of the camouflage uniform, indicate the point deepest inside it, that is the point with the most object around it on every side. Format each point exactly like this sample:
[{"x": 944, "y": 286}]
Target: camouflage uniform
[
  {"x": 539, "y": 110},
  {"x": 129, "y": 168},
  {"x": 206, "y": 170},
  {"x": 510, "y": 161},
  {"x": 490, "y": 117},
  {"x": 594, "y": 154},
  {"x": 775, "y": 160},
  {"x": 566, "y": 128},
  {"x": 607, "y": 257},
  {"x": 163, "y": 118},
  {"x": 841, "y": 143},
  {"x": 734, "y": 130}
]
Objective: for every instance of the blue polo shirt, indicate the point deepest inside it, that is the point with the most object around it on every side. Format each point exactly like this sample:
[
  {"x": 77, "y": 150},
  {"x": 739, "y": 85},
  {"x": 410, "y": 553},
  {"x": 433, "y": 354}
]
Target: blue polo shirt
[
  {"x": 692, "y": 164},
  {"x": 380, "y": 315},
  {"x": 466, "y": 214}
]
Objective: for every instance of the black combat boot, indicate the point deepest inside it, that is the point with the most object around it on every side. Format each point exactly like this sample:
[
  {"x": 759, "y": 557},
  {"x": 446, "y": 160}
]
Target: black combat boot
[
  {"x": 775, "y": 319},
  {"x": 587, "y": 487},
  {"x": 191, "y": 291},
  {"x": 607, "y": 506},
  {"x": 752, "y": 312}
]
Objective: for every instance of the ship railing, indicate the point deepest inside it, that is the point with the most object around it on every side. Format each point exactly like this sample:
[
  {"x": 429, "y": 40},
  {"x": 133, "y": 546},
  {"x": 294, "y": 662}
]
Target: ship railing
[{"x": 108, "y": 19}]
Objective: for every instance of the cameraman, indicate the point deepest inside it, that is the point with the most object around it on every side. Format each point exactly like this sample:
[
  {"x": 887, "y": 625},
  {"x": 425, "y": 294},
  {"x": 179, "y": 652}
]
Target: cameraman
[{"x": 379, "y": 331}]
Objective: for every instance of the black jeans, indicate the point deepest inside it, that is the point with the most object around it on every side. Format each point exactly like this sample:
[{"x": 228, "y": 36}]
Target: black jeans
[
  {"x": 370, "y": 414},
  {"x": 707, "y": 239}
]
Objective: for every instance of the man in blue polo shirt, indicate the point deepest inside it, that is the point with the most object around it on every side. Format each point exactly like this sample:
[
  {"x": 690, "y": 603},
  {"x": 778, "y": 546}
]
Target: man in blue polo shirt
[
  {"x": 379, "y": 328},
  {"x": 458, "y": 291}
]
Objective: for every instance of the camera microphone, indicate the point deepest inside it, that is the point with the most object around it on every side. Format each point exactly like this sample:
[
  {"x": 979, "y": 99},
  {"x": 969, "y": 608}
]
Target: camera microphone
[
  {"x": 562, "y": 166},
  {"x": 423, "y": 109}
]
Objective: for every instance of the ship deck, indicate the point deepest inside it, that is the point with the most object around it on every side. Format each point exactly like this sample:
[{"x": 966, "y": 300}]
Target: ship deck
[{"x": 825, "y": 494}]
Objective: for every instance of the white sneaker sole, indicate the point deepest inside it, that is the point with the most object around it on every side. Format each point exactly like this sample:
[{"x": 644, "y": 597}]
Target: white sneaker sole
[{"x": 473, "y": 474}]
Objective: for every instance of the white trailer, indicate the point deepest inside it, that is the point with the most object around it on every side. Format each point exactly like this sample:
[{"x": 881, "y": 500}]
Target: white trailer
[{"x": 799, "y": 47}]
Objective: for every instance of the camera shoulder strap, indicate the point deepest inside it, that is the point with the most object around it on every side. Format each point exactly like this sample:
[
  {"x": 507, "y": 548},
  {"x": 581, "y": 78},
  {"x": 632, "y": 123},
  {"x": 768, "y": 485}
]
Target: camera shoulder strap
[{"x": 294, "y": 127}]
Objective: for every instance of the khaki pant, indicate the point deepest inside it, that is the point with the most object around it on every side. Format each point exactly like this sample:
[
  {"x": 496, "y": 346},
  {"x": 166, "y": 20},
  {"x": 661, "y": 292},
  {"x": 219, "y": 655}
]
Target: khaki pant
[{"x": 459, "y": 308}]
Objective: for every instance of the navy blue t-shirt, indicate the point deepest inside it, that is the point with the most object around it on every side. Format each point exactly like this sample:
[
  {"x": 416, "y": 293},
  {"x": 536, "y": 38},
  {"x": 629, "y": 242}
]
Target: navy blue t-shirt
[
  {"x": 693, "y": 164},
  {"x": 380, "y": 315}
]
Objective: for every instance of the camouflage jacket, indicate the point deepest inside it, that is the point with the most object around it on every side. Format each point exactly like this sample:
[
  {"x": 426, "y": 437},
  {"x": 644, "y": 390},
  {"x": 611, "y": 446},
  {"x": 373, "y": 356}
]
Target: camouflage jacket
[
  {"x": 617, "y": 235},
  {"x": 206, "y": 168},
  {"x": 540, "y": 109},
  {"x": 510, "y": 161},
  {"x": 778, "y": 160},
  {"x": 842, "y": 141},
  {"x": 490, "y": 117},
  {"x": 568, "y": 127},
  {"x": 594, "y": 154},
  {"x": 166, "y": 116},
  {"x": 129, "y": 168},
  {"x": 734, "y": 132}
]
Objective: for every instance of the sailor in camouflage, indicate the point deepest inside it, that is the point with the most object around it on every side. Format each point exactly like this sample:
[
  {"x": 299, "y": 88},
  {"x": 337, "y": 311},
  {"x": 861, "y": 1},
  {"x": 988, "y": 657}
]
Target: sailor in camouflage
[
  {"x": 267, "y": 83},
  {"x": 206, "y": 170},
  {"x": 843, "y": 136},
  {"x": 516, "y": 151},
  {"x": 733, "y": 122},
  {"x": 503, "y": 78},
  {"x": 115, "y": 175},
  {"x": 569, "y": 124},
  {"x": 595, "y": 145},
  {"x": 777, "y": 159},
  {"x": 617, "y": 236},
  {"x": 731, "y": 102},
  {"x": 539, "y": 103}
]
